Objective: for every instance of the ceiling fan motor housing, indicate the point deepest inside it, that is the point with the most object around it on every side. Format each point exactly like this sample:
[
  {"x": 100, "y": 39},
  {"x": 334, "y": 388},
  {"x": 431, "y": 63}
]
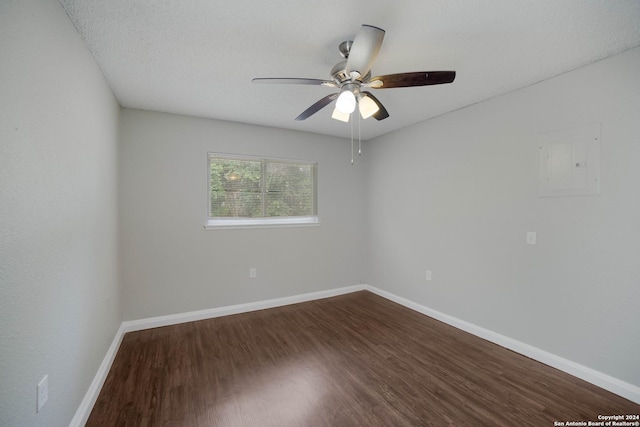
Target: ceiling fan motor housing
[
  {"x": 339, "y": 72},
  {"x": 340, "y": 75}
]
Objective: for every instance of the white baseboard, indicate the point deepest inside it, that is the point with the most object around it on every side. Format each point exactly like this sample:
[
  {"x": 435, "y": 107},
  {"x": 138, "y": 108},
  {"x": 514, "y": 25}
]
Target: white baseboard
[
  {"x": 174, "y": 319},
  {"x": 84, "y": 410},
  {"x": 614, "y": 385},
  {"x": 607, "y": 382}
]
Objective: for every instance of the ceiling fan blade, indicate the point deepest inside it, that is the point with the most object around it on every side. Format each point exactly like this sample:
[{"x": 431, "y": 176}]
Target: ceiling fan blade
[
  {"x": 420, "y": 78},
  {"x": 382, "y": 113},
  {"x": 364, "y": 50},
  {"x": 295, "y": 81},
  {"x": 317, "y": 106}
]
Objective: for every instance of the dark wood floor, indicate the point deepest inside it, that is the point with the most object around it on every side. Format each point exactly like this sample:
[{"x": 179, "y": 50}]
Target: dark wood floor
[{"x": 351, "y": 360}]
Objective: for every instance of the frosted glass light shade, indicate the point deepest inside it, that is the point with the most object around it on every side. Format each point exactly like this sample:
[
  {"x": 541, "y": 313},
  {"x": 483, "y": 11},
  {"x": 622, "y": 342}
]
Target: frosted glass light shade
[
  {"x": 346, "y": 102},
  {"x": 368, "y": 107},
  {"x": 339, "y": 115}
]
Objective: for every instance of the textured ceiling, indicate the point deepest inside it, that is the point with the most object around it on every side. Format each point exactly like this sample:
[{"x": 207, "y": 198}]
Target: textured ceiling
[{"x": 198, "y": 57}]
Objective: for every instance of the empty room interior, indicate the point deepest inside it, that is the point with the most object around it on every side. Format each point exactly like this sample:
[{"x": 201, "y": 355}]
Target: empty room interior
[{"x": 199, "y": 226}]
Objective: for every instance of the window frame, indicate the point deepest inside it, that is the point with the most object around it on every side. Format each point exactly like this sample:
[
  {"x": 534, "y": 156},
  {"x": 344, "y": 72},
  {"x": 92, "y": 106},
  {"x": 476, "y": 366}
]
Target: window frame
[{"x": 214, "y": 223}]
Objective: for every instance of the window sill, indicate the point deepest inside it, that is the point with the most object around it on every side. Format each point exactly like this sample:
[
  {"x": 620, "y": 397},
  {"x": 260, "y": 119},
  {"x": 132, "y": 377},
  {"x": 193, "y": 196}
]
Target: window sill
[{"x": 226, "y": 224}]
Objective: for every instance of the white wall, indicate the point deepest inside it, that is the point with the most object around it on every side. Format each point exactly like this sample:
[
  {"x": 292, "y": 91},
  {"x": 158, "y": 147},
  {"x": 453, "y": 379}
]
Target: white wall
[
  {"x": 170, "y": 264},
  {"x": 59, "y": 294},
  {"x": 457, "y": 194}
]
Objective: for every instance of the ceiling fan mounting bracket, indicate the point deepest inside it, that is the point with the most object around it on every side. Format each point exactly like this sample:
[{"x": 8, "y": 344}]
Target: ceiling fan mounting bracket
[{"x": 345, "y": 48}]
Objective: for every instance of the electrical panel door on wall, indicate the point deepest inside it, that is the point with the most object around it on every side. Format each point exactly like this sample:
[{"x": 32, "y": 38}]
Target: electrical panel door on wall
[{"x": 570, "y": 162}]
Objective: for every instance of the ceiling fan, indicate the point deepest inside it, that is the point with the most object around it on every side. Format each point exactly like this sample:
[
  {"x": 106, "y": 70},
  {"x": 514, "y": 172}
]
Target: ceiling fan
[{"x": 353, "y": 74}]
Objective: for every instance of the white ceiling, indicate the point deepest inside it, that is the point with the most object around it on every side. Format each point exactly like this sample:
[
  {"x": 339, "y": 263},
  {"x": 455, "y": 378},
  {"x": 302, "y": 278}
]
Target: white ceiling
[{"x": 198, "y": 57}]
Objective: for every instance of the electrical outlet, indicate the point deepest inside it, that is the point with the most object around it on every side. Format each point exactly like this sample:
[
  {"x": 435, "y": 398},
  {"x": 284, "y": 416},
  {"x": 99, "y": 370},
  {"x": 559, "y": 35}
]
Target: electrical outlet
[
  {"x": 531, "y": 237},
  {"x": 43, "y": 393},
  {"x": 253, "y": 273},
  {"x": 428, "y": 276}
]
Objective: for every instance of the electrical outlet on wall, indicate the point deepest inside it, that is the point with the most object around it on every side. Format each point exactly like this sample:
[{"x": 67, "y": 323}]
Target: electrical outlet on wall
[
  {"x": 531, "y": 237},
  {"x": 428, "y": 276},
  {"x": 253, "y": 273}
]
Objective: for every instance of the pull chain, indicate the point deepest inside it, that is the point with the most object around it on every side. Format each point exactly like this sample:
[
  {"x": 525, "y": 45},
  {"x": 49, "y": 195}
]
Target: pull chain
[
  {"x": 359, "y": 138},
  {"x": 352, "y": 142}
]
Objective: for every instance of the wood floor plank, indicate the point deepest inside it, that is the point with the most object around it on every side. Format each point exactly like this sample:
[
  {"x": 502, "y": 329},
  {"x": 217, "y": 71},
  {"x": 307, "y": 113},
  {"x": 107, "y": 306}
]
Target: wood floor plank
[{"x": 351, "y": 360}]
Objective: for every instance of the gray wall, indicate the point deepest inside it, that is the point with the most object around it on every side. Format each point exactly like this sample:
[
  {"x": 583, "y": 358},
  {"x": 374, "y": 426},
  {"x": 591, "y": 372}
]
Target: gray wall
[
  {"x": 457, "y": 194},
  {"x": 170, "y": 264},
  {"x": 59, "y": 294}
]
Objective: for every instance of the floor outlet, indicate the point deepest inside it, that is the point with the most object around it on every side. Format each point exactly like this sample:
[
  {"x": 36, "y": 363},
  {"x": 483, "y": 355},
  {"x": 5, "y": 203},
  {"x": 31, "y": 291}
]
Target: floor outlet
[{"x": 43, "y": 392}]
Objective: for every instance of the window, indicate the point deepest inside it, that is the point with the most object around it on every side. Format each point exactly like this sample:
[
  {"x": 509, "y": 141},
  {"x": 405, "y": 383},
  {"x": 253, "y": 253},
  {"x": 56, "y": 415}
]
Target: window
[{"x": 252, "y": 191}]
